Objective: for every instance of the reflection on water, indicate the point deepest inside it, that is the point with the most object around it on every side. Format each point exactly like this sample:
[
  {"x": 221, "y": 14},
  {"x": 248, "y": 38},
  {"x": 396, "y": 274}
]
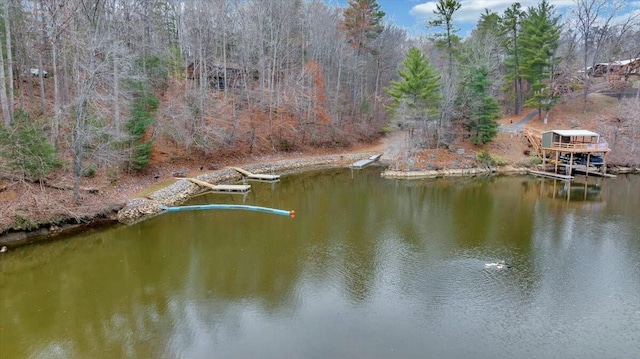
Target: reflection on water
[
  {"x": 369, "y": 268},
  {"x": 580, "y": 190}
]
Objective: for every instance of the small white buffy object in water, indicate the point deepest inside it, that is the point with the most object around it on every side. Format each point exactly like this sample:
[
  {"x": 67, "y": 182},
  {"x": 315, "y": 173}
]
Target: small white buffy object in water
[{"x": 497, "y": 265}]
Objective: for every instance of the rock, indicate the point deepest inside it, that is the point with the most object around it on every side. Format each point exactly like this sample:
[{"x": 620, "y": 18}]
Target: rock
[{"x": 181, "y": 173}]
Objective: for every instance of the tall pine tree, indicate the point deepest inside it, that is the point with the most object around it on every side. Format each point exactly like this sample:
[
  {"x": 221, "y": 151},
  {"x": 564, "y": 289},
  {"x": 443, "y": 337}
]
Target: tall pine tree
[
  {"x": 416, "y": 96},
  {"x": 363, "y": 23},
  {"x": 444, "y": 20},
  {"x": 511, "y": 27},
  {"x": 539, "y": 40},
  {"x": 484, "y": 107}
]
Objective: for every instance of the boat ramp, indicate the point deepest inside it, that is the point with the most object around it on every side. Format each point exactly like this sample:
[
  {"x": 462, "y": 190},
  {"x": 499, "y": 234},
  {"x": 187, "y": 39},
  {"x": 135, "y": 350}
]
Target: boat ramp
[{"x": 365, "y": 162}]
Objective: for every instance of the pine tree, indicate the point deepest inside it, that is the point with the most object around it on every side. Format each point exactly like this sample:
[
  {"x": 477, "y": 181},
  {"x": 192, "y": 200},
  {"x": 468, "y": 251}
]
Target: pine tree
[
  {"x": 539, "y": 39},
  {"x": 416, "y": 96},
  {"x": 142, "y": 117},
  {"x": 444, "y": 19},
  {"x": 26, "y": 150},
  {"x": 484, "y": 108},
  {"x": 511, "y": 27},
  {"x": 363, "y": 23}
]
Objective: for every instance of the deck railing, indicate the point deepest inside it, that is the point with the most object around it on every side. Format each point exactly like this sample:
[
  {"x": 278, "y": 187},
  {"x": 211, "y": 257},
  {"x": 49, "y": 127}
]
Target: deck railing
[{"x": 596, "y": 147}]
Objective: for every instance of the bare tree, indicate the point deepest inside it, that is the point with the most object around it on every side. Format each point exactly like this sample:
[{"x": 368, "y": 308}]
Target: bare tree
[
  {"x": 6, "y": 115},
  {"x": 7, "y": 28},
  {"x": 588, "y": 14}
]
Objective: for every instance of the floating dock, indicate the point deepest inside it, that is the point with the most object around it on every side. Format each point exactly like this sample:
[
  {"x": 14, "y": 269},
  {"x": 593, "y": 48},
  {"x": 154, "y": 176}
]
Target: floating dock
[
  {"x": 583, "y": 171},
  {"x": 233, "y": 188},
  {"x": 551, "y": 175},
  {"x": 257, "y": 176},
  {"x": 364, "y": 163}
]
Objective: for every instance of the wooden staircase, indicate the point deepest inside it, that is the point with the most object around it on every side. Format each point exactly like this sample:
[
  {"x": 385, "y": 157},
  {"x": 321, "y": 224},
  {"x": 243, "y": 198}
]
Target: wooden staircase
[{"x": 535, "y": 138}]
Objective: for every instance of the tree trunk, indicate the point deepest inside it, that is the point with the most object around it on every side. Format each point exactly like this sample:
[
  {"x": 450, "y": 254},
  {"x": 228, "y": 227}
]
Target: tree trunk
[
  {"x": 57, "y": 107},
  {"x": 6, "y": 116},
  {"x": 40, "y": 65},
  {"x": 585, "y": 75},
  {"x": 116, "y": 97},
  {"x": 7, "y": 26}
]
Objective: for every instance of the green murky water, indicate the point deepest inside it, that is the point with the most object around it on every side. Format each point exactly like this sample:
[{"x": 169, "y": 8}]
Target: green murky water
[{"x": 369, "y": 268}]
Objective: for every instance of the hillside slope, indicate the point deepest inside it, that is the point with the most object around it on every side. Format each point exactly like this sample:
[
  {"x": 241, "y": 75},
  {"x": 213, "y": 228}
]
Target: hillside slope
[{"x": 28, "y": 206}]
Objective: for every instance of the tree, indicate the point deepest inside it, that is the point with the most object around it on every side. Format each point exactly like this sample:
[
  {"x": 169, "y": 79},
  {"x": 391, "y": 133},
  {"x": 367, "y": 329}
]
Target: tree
[
  {"x": 587, "y": 14},
  {"x": 6, "y": 115},
  {"x": 26, "y": 149},
  {"x": 444, "y": 20},
  {"x": 416, "y": 96},
  {"x": 484, "y": 107},
  {"x": 142, "y": 117},
  {"x": 483, "y": 48},
  {"x": 539, "y": 39},
  {"x": 363, "y": 23},
  {"x": 511, "y": 26},
  {"x": 7, "y": 29}
]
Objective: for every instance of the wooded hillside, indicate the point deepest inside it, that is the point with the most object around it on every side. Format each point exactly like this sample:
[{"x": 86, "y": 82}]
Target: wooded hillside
[{"x": 98, "y": 87}]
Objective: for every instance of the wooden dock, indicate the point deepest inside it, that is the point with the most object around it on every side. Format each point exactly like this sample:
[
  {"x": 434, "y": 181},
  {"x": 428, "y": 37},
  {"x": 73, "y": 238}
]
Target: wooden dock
[
  {"x": 551, "y": 175},
  {"x": 257, "y": 176},
  {"x": 233, "y": 188},
  {"x": 583, "y": 171},
  {"x": 364, "y": 163}
]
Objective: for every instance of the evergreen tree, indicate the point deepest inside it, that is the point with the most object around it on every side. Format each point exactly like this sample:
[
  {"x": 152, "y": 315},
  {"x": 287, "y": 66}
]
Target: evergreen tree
[
  {"x": 142, "y": 117},
  {"x": 25, "y": 149},
  {"x": 416, "y": 96},
  {"x": 444, "y": 19},
  {"x": 450, "y": 41},
  {"x": 482, "y": 47},
  {"x": 539, "y": 39},
  {"x": 363, "y": 23},
  {"x": 511, "y": 27},
  {"x": 484, "y": 107}
]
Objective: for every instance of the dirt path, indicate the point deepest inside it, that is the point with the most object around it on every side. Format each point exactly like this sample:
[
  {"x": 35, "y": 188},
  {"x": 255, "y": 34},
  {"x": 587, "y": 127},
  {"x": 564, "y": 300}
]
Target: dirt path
[{"x": 518, "y": 126}]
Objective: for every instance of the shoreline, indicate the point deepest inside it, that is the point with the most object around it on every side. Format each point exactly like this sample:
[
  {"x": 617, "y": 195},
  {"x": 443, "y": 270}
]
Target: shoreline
[{"x": 141, "y": 208}]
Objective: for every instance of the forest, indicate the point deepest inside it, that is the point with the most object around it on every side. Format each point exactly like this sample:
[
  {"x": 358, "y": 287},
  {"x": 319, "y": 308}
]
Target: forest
[{"x": 96, "y": 87}]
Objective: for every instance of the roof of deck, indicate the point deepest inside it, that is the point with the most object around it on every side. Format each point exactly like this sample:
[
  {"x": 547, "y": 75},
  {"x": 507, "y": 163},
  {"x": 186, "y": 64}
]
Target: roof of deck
[{"x": 574, "y": 133}]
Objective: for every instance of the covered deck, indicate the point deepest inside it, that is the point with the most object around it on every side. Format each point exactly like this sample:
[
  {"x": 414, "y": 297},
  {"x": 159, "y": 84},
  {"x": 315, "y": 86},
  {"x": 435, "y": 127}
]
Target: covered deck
[{"x": 570, "y": 150}]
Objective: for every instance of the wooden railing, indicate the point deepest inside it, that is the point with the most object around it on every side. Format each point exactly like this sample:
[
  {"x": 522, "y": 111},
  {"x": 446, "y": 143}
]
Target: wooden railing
[
  {"x": 534, "y": 136},
  {"x": 595, "y": 147}
]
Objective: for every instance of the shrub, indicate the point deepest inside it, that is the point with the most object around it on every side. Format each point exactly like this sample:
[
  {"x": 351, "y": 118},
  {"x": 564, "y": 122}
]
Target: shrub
[
  {"x": 487, "y": 158},
  {"x": 26, "y": 151}
]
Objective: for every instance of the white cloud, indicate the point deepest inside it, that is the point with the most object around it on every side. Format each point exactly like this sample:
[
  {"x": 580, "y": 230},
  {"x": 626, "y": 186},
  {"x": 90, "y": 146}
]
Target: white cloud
[{"x": 470, "y": 10}]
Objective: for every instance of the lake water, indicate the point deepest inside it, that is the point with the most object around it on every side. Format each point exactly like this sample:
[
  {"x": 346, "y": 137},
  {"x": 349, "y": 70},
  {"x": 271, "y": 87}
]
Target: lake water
[{"x": 368, "y": 268}]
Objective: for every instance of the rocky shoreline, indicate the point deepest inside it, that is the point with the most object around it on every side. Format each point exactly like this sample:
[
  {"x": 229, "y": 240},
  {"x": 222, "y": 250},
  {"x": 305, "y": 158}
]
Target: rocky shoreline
[{"x": 141, "y": 208}]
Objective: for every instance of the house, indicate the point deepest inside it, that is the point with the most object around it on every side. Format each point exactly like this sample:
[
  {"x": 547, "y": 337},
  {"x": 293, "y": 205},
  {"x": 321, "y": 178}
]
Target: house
[
  {"x": 623, "y": 68},
  {"x": 219, "y": 75}
]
